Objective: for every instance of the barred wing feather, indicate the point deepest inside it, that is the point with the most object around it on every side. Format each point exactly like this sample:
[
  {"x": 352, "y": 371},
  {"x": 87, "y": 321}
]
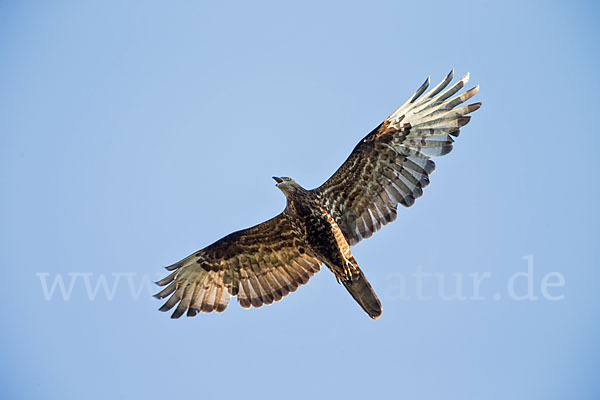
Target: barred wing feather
[
  {"x": 391, "y": 165},
  {"x": 259, "y": 265}
]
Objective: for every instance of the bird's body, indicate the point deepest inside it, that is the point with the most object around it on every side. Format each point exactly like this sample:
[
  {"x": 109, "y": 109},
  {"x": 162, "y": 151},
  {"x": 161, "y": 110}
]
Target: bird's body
[
  {"x": 328, "y": 244},
  {"x": 390, "y": 166}
]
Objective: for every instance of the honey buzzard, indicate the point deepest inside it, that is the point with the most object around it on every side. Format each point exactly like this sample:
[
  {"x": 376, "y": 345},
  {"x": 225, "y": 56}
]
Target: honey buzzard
[{"x": 264, "y": 263}]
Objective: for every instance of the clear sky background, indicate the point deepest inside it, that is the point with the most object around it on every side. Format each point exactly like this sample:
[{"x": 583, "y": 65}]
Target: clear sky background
[{"x": 132, "y": 134}]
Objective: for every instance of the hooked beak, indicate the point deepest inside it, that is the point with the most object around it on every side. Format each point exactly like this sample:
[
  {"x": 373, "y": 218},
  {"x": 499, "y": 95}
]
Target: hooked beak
[{"x": 278, "y": 180}]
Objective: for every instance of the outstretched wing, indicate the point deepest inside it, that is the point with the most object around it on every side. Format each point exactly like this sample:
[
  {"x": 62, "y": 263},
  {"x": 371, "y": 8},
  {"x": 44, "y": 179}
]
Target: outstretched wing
[
  {"x": 392, "y": 164},
  {"x": 259, "y": 265}
]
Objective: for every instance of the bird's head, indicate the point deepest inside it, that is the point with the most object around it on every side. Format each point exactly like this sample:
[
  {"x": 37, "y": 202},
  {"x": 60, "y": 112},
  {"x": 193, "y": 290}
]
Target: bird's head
[{"x": 286, "y": 184}]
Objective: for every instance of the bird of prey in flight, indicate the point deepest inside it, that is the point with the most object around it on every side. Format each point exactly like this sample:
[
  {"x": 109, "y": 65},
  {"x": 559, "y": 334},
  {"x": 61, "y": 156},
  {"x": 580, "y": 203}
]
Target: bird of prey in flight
[{"x": 389, "y": 166}]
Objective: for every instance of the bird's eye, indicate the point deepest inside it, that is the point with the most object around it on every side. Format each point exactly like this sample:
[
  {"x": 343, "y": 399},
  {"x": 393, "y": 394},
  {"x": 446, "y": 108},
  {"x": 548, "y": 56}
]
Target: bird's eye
[{"x": 288, "y": 179}]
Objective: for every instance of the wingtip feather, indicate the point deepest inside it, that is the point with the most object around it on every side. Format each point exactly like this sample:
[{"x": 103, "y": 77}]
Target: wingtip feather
[
  {"x": 164, "y": 308},
  {"x": 466, "y": 78},
  {"x": 475, "y": 106},
  {"x": 462, "y": 121}
]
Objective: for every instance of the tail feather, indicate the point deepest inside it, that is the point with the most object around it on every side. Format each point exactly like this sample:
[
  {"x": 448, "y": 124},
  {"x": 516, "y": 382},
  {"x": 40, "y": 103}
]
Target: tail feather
[{"x": 361, "y": 290}]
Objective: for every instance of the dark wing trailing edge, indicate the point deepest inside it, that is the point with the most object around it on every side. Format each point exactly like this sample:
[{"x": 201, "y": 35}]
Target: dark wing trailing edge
[
  {"x": 259, "y": 265},
  {"x": 391, "y": 165}
]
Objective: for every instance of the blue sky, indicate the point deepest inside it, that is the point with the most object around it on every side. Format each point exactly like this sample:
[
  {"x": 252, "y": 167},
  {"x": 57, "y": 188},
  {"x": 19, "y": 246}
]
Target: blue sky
[{"x": 132, "y": 135}]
